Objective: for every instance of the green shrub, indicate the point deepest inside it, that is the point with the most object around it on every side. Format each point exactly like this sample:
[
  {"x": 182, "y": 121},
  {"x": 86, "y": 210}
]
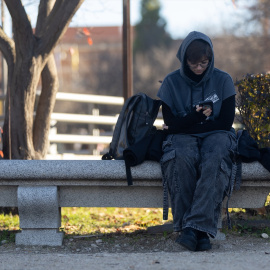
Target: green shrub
[{"x": 253, "y": 104}]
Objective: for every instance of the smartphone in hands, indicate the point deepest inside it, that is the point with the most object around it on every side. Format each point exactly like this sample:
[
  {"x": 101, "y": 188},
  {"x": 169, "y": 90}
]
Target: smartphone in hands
[{"x": 206, "y": 105}]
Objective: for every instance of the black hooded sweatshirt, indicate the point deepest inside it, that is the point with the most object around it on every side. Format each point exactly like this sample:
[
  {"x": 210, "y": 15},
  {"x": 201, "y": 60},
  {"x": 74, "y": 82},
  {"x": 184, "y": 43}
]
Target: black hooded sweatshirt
[{"x": 182, "y": 90}]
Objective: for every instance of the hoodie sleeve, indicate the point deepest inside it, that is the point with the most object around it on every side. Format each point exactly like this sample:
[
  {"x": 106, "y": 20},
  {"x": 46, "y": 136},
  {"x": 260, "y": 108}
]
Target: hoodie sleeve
[
  {"x": 190, "y": 125},
  {"x": 178, "y": 123}
]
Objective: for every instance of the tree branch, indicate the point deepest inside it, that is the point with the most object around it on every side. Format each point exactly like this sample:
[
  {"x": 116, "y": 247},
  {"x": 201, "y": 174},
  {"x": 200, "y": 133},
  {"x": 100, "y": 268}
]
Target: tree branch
[
  {"x": 7, "y": 47},
  {"x": 45, "y": 7},
  {"x": 23, "y": 33},
  {"x": 18, "y": 15},
  {"x": 56, "y": 24}
]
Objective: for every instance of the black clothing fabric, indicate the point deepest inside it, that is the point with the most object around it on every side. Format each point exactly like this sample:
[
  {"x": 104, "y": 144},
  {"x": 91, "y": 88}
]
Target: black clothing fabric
[
  {"x": 265, "y": 158},
  {"x": 248, "y": 148},
  {"x": 192, "y": 75},
  {"x": 196, "y": 122},
  {"x": 149, "y": 148},
  {"x": 154, "y": 151},
  {"x": 136, "y": 153},
  {"x": 249, "y": 151}
]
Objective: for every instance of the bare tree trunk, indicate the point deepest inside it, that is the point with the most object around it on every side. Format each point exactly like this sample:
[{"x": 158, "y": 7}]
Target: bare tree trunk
[
  {"x": 45, "y": 107},
  {"x": 23, "y": 93},
  {"x": 7, "y": 47},
  {"x": 50, "y": 86}
]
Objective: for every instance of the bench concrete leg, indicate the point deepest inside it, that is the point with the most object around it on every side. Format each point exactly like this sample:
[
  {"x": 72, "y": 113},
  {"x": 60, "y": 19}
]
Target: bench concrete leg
[
  {"x": 220, "y": 235},
  {"x": 40, "y": 216}
]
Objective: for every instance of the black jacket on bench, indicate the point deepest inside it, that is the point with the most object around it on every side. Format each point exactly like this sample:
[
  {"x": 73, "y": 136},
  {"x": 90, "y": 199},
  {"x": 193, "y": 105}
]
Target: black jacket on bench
[{"x": 249, "y": 151}]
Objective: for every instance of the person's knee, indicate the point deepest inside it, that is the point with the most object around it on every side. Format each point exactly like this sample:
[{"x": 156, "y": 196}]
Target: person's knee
[
  {"x": 187, "y": 157},
  {"x": 218, "y": 145}
]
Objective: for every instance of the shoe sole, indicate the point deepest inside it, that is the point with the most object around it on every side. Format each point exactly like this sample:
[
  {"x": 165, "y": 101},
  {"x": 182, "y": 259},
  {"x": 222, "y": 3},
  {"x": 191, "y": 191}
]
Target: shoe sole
[
  {"x": 203, "y": 247},
  {"x": 187, "y": 244}
]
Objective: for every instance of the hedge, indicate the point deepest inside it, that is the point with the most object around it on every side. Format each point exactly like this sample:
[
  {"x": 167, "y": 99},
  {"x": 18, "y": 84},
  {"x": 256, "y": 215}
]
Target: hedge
[{"x": 253, "y": 104}]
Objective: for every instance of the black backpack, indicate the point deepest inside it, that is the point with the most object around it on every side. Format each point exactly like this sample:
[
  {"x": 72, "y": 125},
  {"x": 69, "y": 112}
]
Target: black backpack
[{"x": 135, "y": 122}]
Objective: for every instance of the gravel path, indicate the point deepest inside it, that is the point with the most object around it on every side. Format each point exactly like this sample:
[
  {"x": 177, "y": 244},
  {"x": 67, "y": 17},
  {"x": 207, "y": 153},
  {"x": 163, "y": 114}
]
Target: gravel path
[{"x": 138, "y": 251}]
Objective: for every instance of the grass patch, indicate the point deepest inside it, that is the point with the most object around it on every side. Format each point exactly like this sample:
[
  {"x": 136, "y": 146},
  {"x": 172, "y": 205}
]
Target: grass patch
[
  {"x": 76, "y": 220},
  {"x": 82, "y": 220},
  {"x": 246, "y": 228},
  {"x": 250, "y": 221},
  {"x": 85, "y": 221},
  {"x": 7, "y": 236},
  {"x": 9, "y": 224}
]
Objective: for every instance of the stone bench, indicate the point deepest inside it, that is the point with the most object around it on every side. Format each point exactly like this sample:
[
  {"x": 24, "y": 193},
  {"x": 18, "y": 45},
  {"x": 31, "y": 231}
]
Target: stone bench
[{"x": 39, "y": 188}]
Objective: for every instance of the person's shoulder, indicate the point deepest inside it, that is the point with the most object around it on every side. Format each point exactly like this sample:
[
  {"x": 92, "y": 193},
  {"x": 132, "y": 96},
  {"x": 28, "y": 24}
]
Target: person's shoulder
[
  {"x": 221, "y": 73},
  {"x": 172, "y": 75}
]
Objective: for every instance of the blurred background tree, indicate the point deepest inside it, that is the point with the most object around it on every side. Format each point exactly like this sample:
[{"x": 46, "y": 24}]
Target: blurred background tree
[
  {"x": 151, "y": 43},
  {"x": 150, "y": 31},
  {"x": 257, "y": 24}
]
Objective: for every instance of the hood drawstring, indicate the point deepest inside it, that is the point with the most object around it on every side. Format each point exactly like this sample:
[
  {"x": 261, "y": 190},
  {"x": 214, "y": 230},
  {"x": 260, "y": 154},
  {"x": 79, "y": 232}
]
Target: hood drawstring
[
  {"x": 191, "y": 97},
  {"x": 203, "y": 89}
]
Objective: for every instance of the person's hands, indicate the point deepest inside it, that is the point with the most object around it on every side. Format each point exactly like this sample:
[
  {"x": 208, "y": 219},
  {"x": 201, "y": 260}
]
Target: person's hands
[
  {"x": 206, "y": 112},
  {"x": 164, "y": 126}
]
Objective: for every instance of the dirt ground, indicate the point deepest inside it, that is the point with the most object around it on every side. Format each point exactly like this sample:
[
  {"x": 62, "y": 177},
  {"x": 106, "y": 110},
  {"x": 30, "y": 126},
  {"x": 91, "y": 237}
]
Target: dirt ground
[{"x": 139, "y": 250}]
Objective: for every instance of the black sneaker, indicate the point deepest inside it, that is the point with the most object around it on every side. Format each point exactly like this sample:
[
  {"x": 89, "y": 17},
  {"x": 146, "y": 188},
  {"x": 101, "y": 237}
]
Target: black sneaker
[
  {"x": 188, "y": 239},
  {"x": 203, "y": 242}
]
